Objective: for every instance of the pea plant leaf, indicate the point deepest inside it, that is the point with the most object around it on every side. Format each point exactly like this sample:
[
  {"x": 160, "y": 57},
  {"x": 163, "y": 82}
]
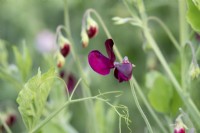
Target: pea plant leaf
[
  {"x": 161, "y": 92},
  {"x": 193, "y": 15},
  {"x": 23, "y": 61},
  {"x": 33, "y": 96}
]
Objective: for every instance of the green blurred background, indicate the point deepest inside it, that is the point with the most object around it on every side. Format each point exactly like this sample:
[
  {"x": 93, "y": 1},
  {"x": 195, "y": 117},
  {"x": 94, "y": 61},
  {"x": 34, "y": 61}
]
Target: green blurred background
[{"x": 22, "y": 20}]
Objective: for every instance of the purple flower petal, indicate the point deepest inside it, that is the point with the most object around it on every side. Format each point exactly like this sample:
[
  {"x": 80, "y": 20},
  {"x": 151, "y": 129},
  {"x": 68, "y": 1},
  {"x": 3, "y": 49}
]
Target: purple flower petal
[
  {"x": 99, "y": 63},
  {"x": 109, "y": 49},
  {"x": 123, "y": 71}
]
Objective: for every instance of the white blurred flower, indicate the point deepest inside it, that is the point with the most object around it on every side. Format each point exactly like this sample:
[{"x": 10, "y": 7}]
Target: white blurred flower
[{"x": 45, "y": 42}]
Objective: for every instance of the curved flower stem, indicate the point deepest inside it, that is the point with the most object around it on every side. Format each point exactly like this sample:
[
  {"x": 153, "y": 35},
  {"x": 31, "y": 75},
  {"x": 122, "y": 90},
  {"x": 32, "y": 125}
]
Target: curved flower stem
[
  {"x": 106, "y": 31},
  {"x": 152, "y": 112},
  {"x": 138, "y": 105},
  {"x": 131, "y": 80},
  {"x": 166, "y": 29},
  {"x": 194, "y": 59},
  {"x": 194, "y": 112},
  {"x": 84, "y": 84}
]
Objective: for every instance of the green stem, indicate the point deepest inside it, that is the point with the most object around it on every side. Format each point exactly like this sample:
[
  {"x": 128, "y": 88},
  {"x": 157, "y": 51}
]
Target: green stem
[
  {"x": 120, "y": 58},
  {"x": 84, "y": 84},
  {"x": 168, "y": 32},
  {"x": 106, "y": 31},
  {"x": 52, "y": 115},
  {"x": 185, "y": 98},
  {"x": 183, "y": 36},
  {"x": 139, "y": 107},
  {"x": 152, "y": 112}
]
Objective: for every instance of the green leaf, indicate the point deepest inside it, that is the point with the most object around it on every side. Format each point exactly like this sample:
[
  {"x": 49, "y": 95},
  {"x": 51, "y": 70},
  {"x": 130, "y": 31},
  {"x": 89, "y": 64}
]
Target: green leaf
[
  {"x": 161, "y": 92},
  {"x": 23, "y": 61},
  {"x": 33, "y": 96},
  {"x": 196, "y": 3},
  {"x": 193, "y": 16}
]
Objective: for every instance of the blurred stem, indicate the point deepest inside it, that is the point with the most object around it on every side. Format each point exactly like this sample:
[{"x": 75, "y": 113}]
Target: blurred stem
[
  {"x": 152, "y": 112},
  {"x": 84, "y": 84},
  {"x": 183, "y": 35},
  {"x": 194, "y": 112},
  {"x": 5, "y": 125},
  {"x": 168, "y": 32},
  {"x": 131, "y": 80}
]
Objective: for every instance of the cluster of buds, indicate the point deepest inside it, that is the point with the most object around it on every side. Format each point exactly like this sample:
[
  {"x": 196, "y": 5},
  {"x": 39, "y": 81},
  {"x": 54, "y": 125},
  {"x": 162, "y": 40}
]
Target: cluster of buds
[
  {"x": 64, "y": 48},
  {"x": 89, "y": 29}
]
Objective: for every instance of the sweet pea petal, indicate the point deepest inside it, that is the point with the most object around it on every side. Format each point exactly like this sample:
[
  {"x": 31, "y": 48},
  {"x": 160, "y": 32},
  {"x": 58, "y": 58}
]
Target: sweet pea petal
[
  {"x": 123, "y": 71},
  {"x": 109, "y": 49},
  {"x": 99, "y": 63}
]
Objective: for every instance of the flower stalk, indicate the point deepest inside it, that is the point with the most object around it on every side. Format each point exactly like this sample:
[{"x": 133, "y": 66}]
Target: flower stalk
[
  {"x": 118, "y": 55},
  {"x": 194, "y": 112}
]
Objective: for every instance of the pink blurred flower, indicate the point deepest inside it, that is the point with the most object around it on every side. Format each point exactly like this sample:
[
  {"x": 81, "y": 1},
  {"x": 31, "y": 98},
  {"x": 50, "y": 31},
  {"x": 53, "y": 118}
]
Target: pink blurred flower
[{"x": 45, "y": 42}]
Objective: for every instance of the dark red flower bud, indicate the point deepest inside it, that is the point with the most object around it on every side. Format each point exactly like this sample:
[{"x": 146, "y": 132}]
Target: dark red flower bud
[
  {"x": 71, "y": 82},
  {"x": 11, "y": 119},
  {"x": 92, "y": 27},
  {"x": 65, "y": 49}
]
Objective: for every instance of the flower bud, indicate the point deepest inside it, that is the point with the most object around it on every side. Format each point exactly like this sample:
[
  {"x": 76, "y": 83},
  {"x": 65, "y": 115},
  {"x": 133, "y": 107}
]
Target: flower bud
[
  {"x": 64, "y": 45},
  {"x": 179, "y": 125},
  {"x": 85, "y": 39},
  {"x": 92, "y": 27},
  {"x": 60, "y": 60},
  {"x": 195, "y": 71},
  {"x": 179, "y": 129}
]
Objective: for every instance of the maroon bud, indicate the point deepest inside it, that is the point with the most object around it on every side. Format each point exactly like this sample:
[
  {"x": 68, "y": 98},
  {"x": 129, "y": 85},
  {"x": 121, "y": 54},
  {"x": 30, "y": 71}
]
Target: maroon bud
[
  {"x": 71, "y": 82},
  {"x": 11, "y": 119},
  {"x": 92, "y": 27},
  {"x": 65, "y": 49},
  {"x": 62, "y": 74},
  {"x": 92, "y": 31}
]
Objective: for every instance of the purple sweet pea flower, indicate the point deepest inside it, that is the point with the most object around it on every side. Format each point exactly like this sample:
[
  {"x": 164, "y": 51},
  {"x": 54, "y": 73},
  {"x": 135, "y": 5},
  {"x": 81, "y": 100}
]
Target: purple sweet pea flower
[{"x": 102, "y": 64}]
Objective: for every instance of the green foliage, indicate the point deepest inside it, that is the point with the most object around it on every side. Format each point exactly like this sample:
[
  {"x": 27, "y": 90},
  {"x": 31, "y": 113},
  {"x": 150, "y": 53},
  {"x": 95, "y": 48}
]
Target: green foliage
[
  {"x": 161, "y": 92},
  {"x": 52, "y": 128},
  {"x": 197, "y": 3},
  {"x": 33, "y": 96},
  {"x": 23, "y": 61},
  {"x": 162, "y": 95},
  {"x": 193, "y": 15}
]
